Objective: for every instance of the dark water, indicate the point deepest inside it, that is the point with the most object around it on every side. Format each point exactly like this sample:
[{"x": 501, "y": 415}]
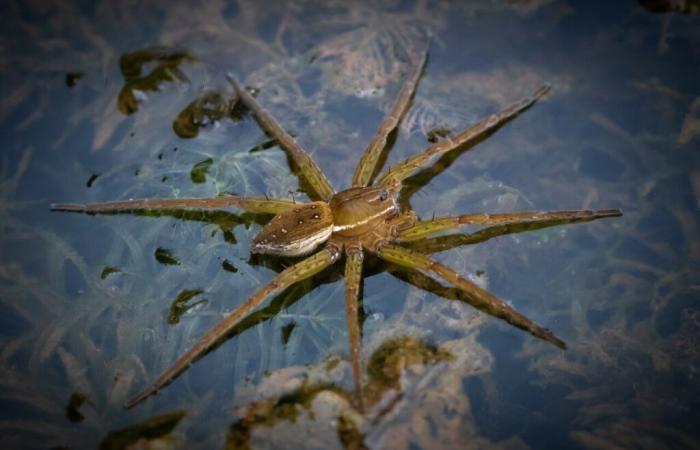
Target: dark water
[{"x": 85, "y": 301}]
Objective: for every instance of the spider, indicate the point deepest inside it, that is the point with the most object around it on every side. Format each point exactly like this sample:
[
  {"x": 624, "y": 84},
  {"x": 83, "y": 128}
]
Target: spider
[{"x": 365, "y": 218}]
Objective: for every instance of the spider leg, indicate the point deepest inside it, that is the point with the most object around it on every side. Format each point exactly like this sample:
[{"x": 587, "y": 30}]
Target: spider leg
[
  {"x": 427, "y": 228},
  {"x": 368, "y": 163},
  {"x": 308, "y": 168},
  {"x": 488, "y": 124},
  {"x": 481, "y": 298},
  {"x": 252, "y": 204},
  {"x": 353, "y": 278},
  {"x": 300, "y": 271},
  {"x": 450, "y": 241}
]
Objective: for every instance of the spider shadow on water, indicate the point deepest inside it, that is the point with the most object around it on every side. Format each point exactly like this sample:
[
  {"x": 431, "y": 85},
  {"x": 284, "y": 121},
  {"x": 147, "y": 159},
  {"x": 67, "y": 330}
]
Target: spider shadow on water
[{"x": 373, "y": 217}]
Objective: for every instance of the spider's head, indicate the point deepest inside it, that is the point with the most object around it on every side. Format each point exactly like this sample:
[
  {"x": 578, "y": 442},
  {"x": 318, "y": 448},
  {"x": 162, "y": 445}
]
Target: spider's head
[
  {"x": 393, "y": 186},
  {"x": 295, "y": 232}
]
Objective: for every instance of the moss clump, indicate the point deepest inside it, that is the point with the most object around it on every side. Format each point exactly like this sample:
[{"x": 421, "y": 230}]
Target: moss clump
[
  {"x": 149, "y": 429},
  {"x": 392, "y": 358}
]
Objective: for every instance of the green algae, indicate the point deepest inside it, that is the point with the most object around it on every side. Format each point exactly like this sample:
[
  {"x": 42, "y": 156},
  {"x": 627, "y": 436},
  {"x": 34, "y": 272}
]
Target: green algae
[
  {"x": 165, "y": 256},
  {"x": 149, "y": 429},
  {"x": 181, "y": 304},
  {"x": 199, "y": 171}
]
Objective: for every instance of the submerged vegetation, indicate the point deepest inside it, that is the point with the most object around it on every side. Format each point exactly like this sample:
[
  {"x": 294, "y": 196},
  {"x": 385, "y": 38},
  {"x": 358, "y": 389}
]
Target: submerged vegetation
[
  {"x": 152, "y": 433},
  {"x": 205, "y": 111},
  {"x": 166, "y": 68},
  {"x": 364, "y": 219},
  {"x": 182, "y": 304},
  {"x": 86, "y": 304},
  {"x": 323, "y": 401}
]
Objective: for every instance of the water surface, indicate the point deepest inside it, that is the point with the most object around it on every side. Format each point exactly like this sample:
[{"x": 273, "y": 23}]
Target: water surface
[{"x": 94, "y": 307}]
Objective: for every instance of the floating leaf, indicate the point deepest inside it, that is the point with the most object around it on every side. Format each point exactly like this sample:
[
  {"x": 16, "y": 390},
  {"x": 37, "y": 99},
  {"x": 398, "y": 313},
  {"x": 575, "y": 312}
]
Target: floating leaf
[
  {"x": 180, "y": 305},
  {"x": 228, "y": 267},
  {"x": 149, "y": 429},
  {"x": 72, "y": 78},
  {"x": 108, "y": 270},
  {"x": 199, "y": 172},
  {"x": 92, "y": 179},
  {"x": 164, "y": 256},
  {"x": 166, "y": 68},
  {"x": 210, "y": 107},
  {"x": 72, "y": 410},
  {"x": 287, "y": 332}
]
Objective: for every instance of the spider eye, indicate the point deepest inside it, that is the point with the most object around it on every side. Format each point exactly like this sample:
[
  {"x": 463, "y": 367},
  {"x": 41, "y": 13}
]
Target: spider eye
[{"x": 383, "y": 195}]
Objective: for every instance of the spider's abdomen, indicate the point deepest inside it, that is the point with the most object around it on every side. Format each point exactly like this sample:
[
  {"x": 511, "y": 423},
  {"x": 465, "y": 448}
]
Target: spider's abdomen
[
  {"x": 358, "y": 210},
  {"x": 295, "y": 232}
]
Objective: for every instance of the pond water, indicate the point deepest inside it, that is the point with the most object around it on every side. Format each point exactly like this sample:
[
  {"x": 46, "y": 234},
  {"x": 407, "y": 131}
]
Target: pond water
[{"x": 94, "y": 98}]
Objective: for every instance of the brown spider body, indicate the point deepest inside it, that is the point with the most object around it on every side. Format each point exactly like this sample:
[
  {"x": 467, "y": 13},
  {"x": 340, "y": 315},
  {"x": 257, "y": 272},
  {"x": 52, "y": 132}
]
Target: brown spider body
[
  {"x": 363, "y": 218},
  {"x": 295, "y": 232},
  {"x": 356, "y": 211}
]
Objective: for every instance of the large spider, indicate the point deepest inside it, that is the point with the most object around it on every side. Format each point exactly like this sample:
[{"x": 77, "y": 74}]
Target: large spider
[{"x": 364, "y": 218}]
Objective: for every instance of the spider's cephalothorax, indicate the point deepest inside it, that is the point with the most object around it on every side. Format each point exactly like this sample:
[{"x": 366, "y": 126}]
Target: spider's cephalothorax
[
  {"x": 359, "y": 210},
  {"x": 363, "y": 218}
]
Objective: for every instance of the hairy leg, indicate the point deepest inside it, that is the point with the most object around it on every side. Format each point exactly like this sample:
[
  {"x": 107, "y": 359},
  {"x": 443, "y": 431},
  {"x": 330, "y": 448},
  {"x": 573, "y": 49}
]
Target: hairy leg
[
  {"x": 404, "y": 169},
  {"x": 427, "y": 228},
  {"x": 353, "y": 278},
  {"x": 282, "y": 281},
  {"x": 308, "y": 168},
  {"x": 368, "y": 163},
  {"x": 450, "y": 241},
  {"x": 481, "y": 298},
  {"x": 252, "y": 204}
]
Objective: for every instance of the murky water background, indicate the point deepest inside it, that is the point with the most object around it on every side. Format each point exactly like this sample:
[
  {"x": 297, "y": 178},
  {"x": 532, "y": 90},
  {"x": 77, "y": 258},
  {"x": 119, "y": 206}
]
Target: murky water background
[{"x": 85, "y": 301}]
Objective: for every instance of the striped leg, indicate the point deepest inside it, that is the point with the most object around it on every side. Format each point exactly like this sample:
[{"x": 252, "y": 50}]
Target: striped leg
[
  {"x": 427, "y": 228},
  {"x": 252, "y": 204},
  {"x": 353, "y": 278},
  {"x": 300, "y": 271},
  {"x": 481, "y": 299},
  {"x": 307, "y": 166},
  {"x": 404, "y": 169},
  {"x": 368, "y": 163}
]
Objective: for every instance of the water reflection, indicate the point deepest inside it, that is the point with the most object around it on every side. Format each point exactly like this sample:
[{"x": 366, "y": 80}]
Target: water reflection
[{"x": 85, "y": 303}]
